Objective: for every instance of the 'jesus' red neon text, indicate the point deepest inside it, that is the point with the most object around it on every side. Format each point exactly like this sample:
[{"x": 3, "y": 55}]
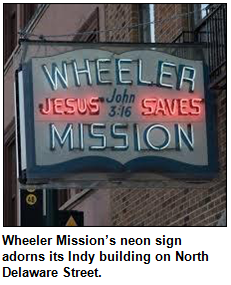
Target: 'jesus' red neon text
[{"x": 70, "y": 106}]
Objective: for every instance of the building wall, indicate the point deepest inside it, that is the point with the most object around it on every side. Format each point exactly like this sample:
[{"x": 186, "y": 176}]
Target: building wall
[
  {"x": 120, "y": 16},
  {"x": 66, "y": 19},
  {"x": 169, "y": 23}
]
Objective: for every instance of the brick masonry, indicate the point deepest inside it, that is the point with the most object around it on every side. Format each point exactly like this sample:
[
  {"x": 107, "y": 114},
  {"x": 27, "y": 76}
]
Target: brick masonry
[
  {"x": 119, "y": 16},
  {"x": 168, "y": 30},
  {"x": 183, "y": 206}
]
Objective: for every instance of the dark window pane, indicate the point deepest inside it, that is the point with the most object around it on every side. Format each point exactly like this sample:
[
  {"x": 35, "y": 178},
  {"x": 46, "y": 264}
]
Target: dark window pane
[{"x": 10, "y": 29}]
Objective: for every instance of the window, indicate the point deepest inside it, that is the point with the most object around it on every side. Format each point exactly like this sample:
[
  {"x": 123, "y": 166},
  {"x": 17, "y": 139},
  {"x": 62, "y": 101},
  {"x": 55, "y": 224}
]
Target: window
[
  {"x": 10, "y": 24},
  {"x": 26, "y": 13},
  {"x": 10, "y": 29},
  {"x": 201, "y": 11}
]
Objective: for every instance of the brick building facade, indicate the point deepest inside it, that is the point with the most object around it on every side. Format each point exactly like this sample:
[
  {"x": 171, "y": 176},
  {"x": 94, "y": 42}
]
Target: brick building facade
[{"x": 183, "y": 205}]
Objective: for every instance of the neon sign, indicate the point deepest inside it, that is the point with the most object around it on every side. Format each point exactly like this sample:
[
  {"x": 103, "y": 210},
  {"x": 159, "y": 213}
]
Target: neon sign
[{"x": 99, "y": 111}]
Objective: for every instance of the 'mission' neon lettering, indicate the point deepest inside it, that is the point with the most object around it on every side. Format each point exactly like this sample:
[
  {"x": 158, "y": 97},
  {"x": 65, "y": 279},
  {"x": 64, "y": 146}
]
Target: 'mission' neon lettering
[{"x": 155, "y": 137}]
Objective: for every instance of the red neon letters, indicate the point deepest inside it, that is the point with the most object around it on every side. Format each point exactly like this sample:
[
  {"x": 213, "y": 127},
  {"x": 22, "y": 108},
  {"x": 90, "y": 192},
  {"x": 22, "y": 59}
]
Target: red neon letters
[
  {"x": 171, "y": 107},
  {"x": 70, "y": 106}
]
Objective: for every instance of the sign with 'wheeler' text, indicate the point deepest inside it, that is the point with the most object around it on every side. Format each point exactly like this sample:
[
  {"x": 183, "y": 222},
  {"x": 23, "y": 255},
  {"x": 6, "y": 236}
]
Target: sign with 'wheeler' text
[{"x": 92, "y": 110}]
